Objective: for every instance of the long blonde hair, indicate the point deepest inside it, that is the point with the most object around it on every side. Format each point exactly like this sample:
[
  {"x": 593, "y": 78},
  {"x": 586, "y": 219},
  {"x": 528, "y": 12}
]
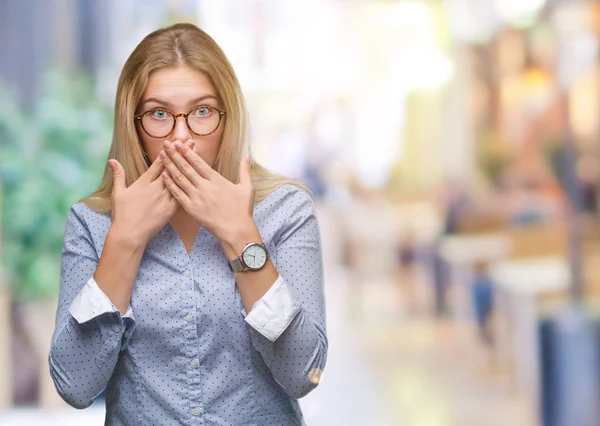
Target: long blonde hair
[{"x": 181, "y": 45}]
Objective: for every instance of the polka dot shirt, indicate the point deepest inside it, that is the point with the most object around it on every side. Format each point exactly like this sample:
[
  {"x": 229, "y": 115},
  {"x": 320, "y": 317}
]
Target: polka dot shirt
[{"x": 186, "y": 352}]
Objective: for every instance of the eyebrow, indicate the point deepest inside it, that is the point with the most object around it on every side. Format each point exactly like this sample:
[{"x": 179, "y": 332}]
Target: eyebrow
[{"x": 193, "y": 101}]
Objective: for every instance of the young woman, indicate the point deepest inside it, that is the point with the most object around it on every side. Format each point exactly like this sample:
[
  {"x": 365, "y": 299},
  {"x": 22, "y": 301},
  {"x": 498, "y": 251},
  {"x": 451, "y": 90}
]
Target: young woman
[{"x": 192, "y": 279}]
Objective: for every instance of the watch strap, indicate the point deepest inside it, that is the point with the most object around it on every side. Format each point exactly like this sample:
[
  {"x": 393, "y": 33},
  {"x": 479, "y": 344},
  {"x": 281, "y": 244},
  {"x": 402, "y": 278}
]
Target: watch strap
[{"x": 236, "y": 265}]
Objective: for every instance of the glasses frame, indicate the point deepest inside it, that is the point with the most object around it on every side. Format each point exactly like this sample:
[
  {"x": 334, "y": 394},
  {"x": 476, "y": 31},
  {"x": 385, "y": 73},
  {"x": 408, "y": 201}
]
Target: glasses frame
[{"x": 140, "y": 117}]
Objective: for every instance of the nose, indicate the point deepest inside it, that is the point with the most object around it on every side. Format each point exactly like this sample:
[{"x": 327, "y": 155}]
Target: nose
[{"x": 181, "y": 131}]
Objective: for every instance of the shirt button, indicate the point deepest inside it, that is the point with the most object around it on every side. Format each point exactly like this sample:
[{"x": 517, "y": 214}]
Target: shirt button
[
  {"x": 116, "y": 328},
  {"x": 189, "y": 317},
  {"x": 187, "y": 273},
  {"x": 127, "y": 334},
  {"x": 196, "y": 411},
  {"x": 193, "y": 363}
]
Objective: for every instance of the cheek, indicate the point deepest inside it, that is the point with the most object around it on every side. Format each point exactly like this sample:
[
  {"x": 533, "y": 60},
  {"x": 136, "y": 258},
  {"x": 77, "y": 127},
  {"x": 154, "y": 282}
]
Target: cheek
[{"x": 152, "y": 147}]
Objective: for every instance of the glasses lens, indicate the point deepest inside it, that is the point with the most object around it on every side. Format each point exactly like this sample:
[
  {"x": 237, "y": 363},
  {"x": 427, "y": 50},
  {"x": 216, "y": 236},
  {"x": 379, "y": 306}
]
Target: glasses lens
[
  {"x": 204, "y": 120},
  {"x": 158, "y": 123}
]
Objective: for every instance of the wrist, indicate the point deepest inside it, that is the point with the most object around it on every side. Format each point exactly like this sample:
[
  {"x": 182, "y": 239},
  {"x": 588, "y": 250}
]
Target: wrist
[
  {"x": 125, "y": 239},
  {"x": 240, "y": 236}
]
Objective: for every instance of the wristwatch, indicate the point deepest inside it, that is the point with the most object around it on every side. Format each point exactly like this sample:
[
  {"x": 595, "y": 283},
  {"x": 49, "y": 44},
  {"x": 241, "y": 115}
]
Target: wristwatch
[{"x": 254, "y": 257}]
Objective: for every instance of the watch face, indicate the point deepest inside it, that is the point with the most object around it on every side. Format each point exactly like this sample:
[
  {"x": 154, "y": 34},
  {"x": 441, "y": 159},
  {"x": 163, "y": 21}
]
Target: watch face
[{"x": 255, "y": 256}]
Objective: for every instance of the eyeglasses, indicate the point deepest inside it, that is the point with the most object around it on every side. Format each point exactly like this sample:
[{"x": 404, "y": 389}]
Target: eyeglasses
[{"x": 202, "y": 121}]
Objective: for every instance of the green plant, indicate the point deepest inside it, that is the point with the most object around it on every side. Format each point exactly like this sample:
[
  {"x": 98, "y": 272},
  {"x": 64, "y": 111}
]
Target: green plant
[
  {"x": 50, "y": 158},
  {"x": 493, "y": 156}
]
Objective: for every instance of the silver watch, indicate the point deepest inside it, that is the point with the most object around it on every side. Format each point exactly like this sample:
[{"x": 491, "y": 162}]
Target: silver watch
[{"x": 254, "y": 257}]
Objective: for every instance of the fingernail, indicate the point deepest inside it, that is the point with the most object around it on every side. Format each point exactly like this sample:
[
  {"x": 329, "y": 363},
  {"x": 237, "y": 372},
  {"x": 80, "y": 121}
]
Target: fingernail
[
  {"x": 248, "y": 158},
  {"x": 111, "y": 164},
  {"x": 165, "y": 174},
  {"x": 167, "y": 144},
  {"x": 163, "y": 155},
  {"x": 178, "y": 145}
]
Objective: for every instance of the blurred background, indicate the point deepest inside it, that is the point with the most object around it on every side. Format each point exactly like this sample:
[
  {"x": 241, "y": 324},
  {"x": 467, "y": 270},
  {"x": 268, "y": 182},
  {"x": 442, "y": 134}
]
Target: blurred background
[{"x": 453, "y": 149}]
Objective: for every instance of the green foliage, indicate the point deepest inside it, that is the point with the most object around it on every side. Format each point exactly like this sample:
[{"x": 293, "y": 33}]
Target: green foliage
[{"x": 50, "y": 158}]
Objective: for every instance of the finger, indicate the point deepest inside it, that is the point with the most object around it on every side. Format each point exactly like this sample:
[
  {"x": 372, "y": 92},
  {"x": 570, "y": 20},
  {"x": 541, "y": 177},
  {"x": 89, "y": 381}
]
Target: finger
[
  {"x": 166, "y": 194},
  {"x": 183, "y": 164},
  {"x": 245, "y": 172},
  {"x": 179, "y": 177},
  {"x": 189, "y": 143},
  {"x": 154, "y": 170},
  {"x": 198, "y": 163},
  {"x": 119, "y": 181},
  {"x": 169, "y": 202},
  {"x": 178, "y": 194},
  {"x": 173, "y": 204},
  {"x": 160, "y": 183}
]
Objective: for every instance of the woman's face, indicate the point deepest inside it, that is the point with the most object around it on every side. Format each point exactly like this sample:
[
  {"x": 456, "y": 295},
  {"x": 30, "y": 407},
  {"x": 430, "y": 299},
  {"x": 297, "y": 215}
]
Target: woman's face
[{"x": 180, "y": 90}]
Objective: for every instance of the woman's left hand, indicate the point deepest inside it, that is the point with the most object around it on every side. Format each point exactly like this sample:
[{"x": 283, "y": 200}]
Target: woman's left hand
[{"x": 220, "y": 206}]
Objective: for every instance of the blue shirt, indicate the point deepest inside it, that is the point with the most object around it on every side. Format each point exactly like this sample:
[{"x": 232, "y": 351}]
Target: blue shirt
[{"x": 186, "y": 352}]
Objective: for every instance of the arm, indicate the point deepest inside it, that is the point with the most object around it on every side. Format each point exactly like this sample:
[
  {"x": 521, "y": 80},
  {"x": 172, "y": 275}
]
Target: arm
[
  {"x": 118, "y": 267},
  {"x": 90, "y": 331},
  {"x": 287, "y": 325}
]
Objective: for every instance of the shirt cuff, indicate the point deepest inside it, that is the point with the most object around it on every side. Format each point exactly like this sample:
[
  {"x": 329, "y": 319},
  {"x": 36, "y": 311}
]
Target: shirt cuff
[
  {"x": 92, "y": 302},
  {"x": 273, "y": 312}
]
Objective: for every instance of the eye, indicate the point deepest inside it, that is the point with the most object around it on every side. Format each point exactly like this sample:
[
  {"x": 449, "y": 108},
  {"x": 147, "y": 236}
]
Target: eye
[
  {"x": 160, "y": 114},
  {"x": 202, "y": 111}
]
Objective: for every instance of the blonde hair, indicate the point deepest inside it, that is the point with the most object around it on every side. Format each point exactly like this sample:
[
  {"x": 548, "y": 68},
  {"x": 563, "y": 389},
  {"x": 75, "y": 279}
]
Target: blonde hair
[{"x": 181, "y": 45}]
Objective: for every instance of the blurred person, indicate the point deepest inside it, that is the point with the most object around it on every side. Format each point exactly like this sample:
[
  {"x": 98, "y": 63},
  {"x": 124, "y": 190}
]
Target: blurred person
[
  {"x": 482, "y": 295},
  {"x": 588, "y": 174},
  {"x": 192, "y": 279},
  {"x": 454, "y": 204},
  {"x": 440, "y": 281},
  {"x": 406, "y": 255}
]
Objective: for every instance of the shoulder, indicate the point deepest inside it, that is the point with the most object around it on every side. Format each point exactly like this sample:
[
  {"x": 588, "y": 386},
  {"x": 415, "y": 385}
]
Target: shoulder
[
  {"x": 82, "y": 216},
  {"x": 287, "y": 200},
  {"x": 81, "y": 209},
  {"x": 285, "y": 211}
]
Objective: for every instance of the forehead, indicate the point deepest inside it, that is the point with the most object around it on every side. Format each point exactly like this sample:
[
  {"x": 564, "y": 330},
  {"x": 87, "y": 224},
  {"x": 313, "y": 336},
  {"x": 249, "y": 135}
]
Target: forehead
[{"x": 178, "y": 85}]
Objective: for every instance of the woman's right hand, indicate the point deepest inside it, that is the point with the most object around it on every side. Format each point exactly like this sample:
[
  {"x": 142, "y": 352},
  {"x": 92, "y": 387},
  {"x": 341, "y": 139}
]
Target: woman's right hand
[{"x": 142, "y": 209}]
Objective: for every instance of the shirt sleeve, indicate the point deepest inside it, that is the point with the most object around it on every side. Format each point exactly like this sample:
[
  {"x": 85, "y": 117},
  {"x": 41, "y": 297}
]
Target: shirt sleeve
[
  {"x": 274, "y": 312},
  {"x": 92, "y": 302},
  {"x": 88, "y": 334},
  {"x": 287, "y": 325}
]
